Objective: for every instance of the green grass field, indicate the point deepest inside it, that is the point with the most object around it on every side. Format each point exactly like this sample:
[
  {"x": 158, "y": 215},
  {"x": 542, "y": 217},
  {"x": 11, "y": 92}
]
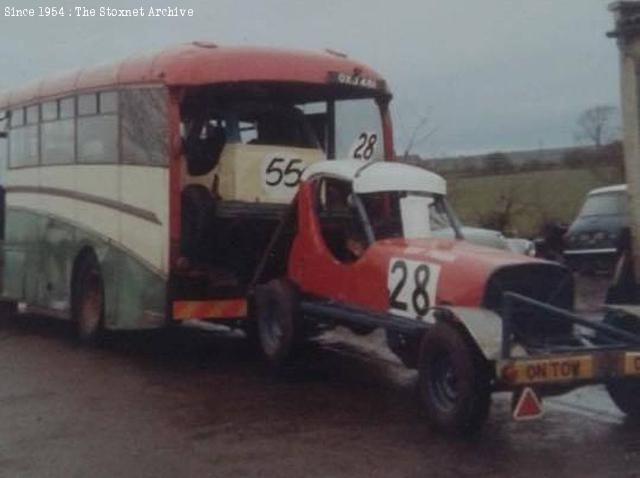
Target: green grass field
[{"x": 536, "y": 197}]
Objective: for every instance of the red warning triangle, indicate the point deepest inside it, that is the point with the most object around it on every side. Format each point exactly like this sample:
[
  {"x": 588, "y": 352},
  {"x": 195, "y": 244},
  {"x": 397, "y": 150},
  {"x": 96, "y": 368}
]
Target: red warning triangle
[{"x": 528, "y": 406}]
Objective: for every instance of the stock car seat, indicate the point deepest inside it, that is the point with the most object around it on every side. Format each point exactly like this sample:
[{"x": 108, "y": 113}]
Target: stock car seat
[{"x": 203, "y": 154}]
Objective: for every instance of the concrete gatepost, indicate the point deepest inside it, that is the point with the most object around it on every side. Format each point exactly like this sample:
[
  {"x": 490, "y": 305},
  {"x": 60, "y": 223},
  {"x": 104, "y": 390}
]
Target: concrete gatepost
[{"x": 627, "y": 34}]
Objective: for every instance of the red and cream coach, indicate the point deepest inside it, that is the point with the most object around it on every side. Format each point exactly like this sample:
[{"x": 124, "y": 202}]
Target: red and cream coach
[{"x": 141, "y": 194}]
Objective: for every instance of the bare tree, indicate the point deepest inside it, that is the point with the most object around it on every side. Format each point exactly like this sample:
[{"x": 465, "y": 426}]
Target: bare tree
[
  {"x": 508, "y": 206},
  {"x": 422, "y": 131},
  {"x": 596, "y": 125}
]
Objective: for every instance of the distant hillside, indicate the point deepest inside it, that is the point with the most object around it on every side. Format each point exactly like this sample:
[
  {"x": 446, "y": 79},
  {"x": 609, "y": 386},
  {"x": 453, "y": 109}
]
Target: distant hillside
[
  {"x": 509, "y": 162},
  {"x": 522, "y": 203}
]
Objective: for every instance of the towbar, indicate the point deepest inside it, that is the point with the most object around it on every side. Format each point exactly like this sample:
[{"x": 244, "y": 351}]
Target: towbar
[{"x": 553, "y": 313}]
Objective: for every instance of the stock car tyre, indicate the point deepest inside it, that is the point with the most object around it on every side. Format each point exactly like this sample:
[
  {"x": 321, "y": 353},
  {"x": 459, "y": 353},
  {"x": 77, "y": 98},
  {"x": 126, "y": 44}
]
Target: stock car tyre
[
  {"x": 404, "y": 347},
  {"x": 277, "y": 318},
  {"x": 625, "y": 393},
  {"x": 454, "y": 381},
  {"x": 88, "y": 300},
  {"x": 361, "y": 329}
]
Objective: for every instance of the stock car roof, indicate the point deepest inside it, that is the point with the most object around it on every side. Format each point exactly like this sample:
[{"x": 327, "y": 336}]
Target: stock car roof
[
  {"x": 198, "y": 63},
  {"x": 379, "y": 176}
]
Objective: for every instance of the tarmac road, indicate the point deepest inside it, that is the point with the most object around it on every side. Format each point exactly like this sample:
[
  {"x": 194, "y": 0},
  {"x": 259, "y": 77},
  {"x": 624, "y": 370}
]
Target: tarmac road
[{"x": 203, "y": 405}]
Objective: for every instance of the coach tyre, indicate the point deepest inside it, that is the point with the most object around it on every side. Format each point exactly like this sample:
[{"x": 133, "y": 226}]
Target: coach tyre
[
  {"x": 625, "y": 393},
  {"x": 278, "y": 319},
  {"x": 88, "y": 299},
  {"x": 454, "y": 380}
]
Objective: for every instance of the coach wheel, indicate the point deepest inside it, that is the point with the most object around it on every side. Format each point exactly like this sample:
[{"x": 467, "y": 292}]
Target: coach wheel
[
  {"x": 453, "y": 381},
  {"x": 88, "y": 300},
  {"x": 277, "y": 319},
  {"x": 625, "y": 393}
]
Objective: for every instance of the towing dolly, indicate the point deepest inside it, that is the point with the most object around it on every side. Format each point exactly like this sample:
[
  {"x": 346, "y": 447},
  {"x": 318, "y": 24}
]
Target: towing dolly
[{"x": 593, "y": 352}]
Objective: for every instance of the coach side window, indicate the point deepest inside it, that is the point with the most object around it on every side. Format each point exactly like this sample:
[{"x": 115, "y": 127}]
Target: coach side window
[
  {"x": 58, "y": 132},
  {"x": 144, "y": 129},
  {"x": 98, "y": 128},
  {"x": 23, "y": 137}
]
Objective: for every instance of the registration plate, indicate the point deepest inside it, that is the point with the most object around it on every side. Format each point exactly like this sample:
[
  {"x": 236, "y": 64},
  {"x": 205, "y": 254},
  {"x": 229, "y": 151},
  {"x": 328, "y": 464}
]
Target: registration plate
[{"x": 554, "y": 369}]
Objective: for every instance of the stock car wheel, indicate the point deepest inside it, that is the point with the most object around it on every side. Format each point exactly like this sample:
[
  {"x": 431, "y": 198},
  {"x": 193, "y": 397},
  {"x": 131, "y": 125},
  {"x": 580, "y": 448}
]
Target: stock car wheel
[
  {"x": 404, "y": 347},
  {"x": 361, "y": 329},
  {"x": 625, "y": 393},
  {"x": 453, "y": 381},
  {"x": 88, "y": 300},
  {"x": 277, "y": 319}
]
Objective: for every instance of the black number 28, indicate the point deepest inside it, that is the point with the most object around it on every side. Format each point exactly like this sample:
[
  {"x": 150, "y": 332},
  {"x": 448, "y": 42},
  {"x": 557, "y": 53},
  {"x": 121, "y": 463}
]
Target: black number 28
[
  {"x": 419, "y": 295},
  {"x": 364, "y": 150}
]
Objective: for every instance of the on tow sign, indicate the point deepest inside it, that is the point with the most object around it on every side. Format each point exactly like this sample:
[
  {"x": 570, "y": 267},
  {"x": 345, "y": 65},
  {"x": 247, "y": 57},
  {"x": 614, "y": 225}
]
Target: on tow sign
[{"x": 553, "y": 369}]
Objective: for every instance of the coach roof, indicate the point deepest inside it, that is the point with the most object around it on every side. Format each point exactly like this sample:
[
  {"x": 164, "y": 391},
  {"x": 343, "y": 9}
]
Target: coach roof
[{"x": 197, "y": 63}]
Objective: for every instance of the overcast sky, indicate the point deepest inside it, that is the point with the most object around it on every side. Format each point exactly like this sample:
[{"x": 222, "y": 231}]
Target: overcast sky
[{"x": 490, "y": 74}]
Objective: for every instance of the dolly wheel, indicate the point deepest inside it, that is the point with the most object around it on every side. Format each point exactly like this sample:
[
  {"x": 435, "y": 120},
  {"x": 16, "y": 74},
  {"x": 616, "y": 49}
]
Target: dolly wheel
[{"x": 625, "y": 393}]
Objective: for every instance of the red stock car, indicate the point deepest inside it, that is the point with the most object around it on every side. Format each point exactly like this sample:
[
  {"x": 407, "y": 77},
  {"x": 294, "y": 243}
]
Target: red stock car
[{"x": 370, "y": 245}]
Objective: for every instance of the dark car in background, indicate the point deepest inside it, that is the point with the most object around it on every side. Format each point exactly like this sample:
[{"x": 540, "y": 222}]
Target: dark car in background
[{"x": 597, "y": 234}]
